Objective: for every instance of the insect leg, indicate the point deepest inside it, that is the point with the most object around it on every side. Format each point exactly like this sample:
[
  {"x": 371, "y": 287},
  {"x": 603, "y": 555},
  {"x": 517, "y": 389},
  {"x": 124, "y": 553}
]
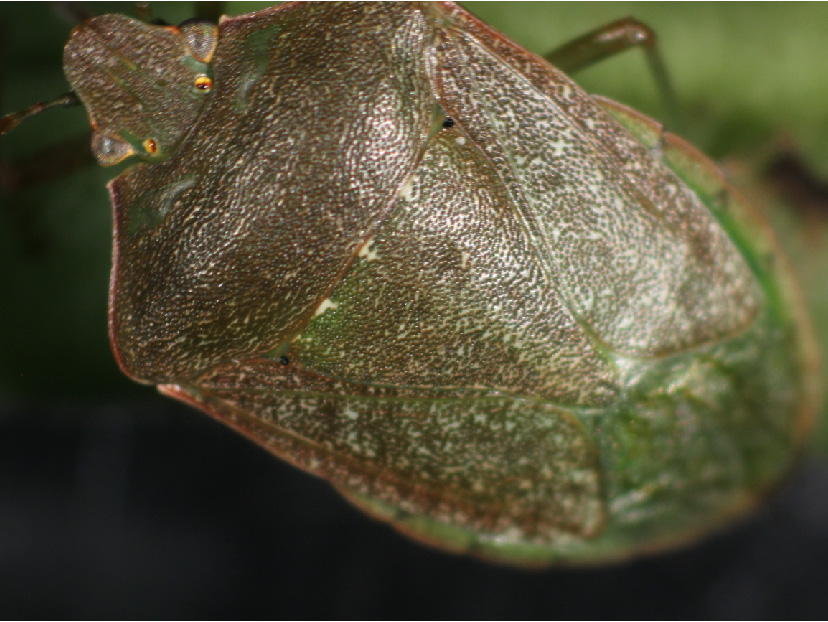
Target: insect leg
[
  {"x": 143, "y": 11},
  {"x": 612, "y": 39}
]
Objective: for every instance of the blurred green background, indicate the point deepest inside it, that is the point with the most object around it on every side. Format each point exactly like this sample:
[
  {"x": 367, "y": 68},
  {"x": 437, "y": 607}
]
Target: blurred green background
[{"x": 751, "y": 81}]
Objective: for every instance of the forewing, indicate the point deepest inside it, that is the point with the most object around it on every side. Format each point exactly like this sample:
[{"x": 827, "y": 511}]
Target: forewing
[
  {"x": 639, "y": 260},
  {"x": 511, "y": 469}
]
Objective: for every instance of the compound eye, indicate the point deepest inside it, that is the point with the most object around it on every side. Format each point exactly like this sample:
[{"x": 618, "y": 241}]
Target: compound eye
[{"x": 203, "y": 83}]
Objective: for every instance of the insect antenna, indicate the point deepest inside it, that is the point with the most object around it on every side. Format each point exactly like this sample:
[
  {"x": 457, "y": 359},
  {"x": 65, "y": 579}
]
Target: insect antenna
[{"x": 12, "y": 120}]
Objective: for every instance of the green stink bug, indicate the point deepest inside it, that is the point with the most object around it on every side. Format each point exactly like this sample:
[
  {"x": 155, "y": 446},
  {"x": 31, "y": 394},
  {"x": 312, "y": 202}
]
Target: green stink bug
[{"x": 544, "y": 331}]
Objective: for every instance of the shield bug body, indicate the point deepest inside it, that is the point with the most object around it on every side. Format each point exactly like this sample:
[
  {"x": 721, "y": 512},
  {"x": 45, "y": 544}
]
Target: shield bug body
[{"x": 412, "y": 258}]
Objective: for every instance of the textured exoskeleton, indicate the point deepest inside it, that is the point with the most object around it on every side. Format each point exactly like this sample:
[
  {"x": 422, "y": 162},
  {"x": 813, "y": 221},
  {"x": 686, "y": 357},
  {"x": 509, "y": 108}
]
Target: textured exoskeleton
[{"x": 410, "y": 257}]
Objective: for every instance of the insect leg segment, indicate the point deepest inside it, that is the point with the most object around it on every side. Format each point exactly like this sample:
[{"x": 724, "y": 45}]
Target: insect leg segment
[{"x": 612, "y": 39}]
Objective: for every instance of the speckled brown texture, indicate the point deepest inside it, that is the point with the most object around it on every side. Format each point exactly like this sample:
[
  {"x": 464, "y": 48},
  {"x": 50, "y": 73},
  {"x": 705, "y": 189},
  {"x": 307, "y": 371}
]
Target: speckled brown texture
[{"x": 519, "y": 334}]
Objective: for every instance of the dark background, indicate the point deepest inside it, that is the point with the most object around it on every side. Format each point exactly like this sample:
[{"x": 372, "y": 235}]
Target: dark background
[
  {"x": 115, "y": 502},
  {"x": 153, "y": 510}
]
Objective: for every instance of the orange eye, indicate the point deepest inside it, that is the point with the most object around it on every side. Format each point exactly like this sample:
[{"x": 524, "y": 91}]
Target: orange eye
[
  {"x": 150, "y": 146},
  {"x": 203, "y": 83}
]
